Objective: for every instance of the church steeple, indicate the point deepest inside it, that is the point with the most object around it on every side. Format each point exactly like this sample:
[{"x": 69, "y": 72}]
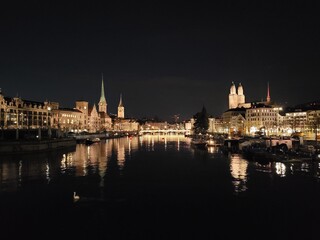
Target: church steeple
[
  {"x": 102, "y": 103},
  {"x": 268, "y": 94},
  {"x": 120, "y": 103},
  {"x": 120, "y": 108},
  {"x": 102, "y": 97}
]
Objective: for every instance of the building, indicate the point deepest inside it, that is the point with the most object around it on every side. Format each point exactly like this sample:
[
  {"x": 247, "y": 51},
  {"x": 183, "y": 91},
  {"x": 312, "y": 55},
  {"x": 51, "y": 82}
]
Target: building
[
  {"x": 120, "y": 123},
  {"x": 263, "y": 119},
  {"x": 295, "y": 121},
  {"x": 24, "y": 114},
  {"x": 94, "y": 122},
  {"x": 83, "y": 106},
  {"x": 105, "y": 121},
  {"x": 120, "y": 108},
  {"x": 236, "y": 98},
  {"x": 233, "y": 121},
  {"x": 125, "y": 125},
  {"x": 313, "y": 125},
  {"x": 67, "y": 119},
  {"x": 19, "y": 113}
]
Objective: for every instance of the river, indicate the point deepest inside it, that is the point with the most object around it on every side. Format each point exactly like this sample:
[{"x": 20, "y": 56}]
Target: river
[{"x": 156, "y": 187}]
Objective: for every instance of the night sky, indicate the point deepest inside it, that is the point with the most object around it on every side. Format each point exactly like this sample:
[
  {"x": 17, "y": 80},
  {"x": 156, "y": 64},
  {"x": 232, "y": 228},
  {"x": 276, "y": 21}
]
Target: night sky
[{"x": 165, "y": 58}]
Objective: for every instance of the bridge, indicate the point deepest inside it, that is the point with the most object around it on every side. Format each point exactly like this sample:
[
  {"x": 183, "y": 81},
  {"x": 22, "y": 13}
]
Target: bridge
[{"x": 164, "y": 131}]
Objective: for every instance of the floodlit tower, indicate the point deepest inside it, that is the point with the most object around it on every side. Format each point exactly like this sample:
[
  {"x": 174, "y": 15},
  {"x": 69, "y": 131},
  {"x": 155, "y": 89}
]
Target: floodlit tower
[
  {"x": 102, "y": 103},
  {"x": 120, "y": 108},
  {"x": 233, "y": 97},
  {"x": 241, "y": 96},
  {"x": 268, "y": 94}
]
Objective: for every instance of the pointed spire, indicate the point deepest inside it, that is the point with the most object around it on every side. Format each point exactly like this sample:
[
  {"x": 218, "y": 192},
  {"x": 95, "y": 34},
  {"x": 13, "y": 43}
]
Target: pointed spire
[
  {"x": 268, "y": 94},
  {"x": 102, "y": 98},
  {"x": 120, "y": 103}
]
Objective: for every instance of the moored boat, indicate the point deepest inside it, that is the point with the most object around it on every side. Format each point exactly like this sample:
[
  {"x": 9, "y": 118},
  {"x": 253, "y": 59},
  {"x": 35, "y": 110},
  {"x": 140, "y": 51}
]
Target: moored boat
[{"x": 199, "y": 143}]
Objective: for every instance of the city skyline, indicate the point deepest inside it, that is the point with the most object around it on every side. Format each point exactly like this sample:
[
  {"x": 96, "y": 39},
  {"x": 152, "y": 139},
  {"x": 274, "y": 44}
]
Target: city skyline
[{"x": 164, "y": 59}]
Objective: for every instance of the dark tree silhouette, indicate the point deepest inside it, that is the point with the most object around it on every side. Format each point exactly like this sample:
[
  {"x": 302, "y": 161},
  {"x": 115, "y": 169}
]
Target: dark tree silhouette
[{"x": 201, "y": 123}]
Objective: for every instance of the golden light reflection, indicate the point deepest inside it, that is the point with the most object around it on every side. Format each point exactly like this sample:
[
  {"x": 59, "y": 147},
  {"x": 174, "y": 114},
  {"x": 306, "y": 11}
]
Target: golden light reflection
[
  {"x": 280, "y": 169},
  {"x": 166, "y": 140},
  {"x": 178, "y": 148},
  {"x": 238, "y": 170},
  {"x": 47, "y": 172},
  {"x": 20, "y": 172},
  {"x": 165, "y": 143},
  {"x": 121, "y": 153},
  {"x": 213, "y": 149},
  {"x": 129, "y": 146}
]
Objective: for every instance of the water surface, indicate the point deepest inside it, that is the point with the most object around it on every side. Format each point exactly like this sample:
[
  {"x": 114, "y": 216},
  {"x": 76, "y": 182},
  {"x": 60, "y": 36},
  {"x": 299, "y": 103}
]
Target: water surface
[{"x": 157, "y": 187}]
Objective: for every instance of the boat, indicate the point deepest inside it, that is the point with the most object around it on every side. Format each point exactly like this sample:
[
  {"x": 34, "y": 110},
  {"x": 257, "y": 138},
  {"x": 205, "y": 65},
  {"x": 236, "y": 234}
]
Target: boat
[{"x": 199, "y": 143}]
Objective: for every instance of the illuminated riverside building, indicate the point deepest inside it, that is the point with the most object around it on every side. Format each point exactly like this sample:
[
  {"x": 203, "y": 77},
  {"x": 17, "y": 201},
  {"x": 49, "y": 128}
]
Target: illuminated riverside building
[
  {"x": 262, "y": 118},
  {"x": 19, "y": 113},
  {"x": 67, "y": 119},
  {"x": 313, "y": 124},
  {"x": 236, "y": 98},
  {"x": 295, "y": 121},
  {"x": 233, "y": 121},
  {"x": 127, "y": 125},
  {"x": 120, "y": 123},
  {"x": 83, "y": 117},
  {"x": 248, "y": 118}
]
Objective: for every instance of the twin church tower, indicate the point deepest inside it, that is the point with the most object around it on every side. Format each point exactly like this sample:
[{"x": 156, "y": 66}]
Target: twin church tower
[
  {"x": 103, "y": 102},
  {"x": 237, "y": 98}
]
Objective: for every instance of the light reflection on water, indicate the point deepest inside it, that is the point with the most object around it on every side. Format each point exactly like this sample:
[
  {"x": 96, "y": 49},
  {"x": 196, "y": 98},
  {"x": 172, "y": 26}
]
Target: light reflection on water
[
  {"x": 97, "y": 158},
  {"x": 280, "y": 169},
  {"x": 164, "y": 181},
  {"x": 238, "y": 170}
]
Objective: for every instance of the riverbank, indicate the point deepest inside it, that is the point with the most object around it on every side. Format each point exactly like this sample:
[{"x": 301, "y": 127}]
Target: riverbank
[{"x": 26, "y": 146}]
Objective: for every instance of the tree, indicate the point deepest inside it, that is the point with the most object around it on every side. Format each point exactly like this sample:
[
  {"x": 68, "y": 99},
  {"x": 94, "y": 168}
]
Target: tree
[{"x": 201, "y": 123}]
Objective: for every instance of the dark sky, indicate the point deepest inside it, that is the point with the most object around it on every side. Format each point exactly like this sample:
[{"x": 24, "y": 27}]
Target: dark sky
[{"x": 165, "y": 58}]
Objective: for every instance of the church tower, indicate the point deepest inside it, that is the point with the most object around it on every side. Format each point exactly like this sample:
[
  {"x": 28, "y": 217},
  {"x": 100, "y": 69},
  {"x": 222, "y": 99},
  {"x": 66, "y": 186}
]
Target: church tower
[
  {"x": 102, "y": 103},
  {"x": 268, "y": 95},
  {"x": 233, "y": 97},
  {"x": 120, "y": 108},
  {"x": 241, "y": 96}
]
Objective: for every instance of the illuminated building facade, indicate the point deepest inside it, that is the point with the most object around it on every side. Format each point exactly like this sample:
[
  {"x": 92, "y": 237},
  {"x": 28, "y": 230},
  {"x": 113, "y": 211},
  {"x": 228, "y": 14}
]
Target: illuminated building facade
[
  {"x": 233, "y": 121},
  {"x": 67, "y": 119},
  {"x": 313, "y": 124},
  {"x": 262, "y": 118},
  {"x": 236, "y": 98},
  {"x": 120, "y": 108},
  {"x": 295, "y": 121},
  {"x": 23, "y": 114}
]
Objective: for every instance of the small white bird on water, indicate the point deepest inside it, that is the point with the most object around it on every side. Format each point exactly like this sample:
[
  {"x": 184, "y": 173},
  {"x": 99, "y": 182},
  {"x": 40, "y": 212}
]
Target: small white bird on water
[{"x": 75, "y": 197}]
